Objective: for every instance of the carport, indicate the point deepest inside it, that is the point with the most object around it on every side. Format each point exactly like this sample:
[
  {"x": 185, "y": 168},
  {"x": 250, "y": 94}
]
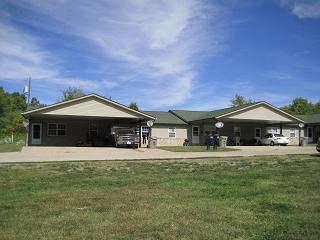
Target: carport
[
  {"x": 247, "y": 124},
  {"x": 85, "y": 121}
]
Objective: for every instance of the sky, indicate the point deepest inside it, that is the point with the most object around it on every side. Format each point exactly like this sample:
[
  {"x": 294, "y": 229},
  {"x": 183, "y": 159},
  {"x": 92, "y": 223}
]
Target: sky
[{"x": 174, "y": 54}]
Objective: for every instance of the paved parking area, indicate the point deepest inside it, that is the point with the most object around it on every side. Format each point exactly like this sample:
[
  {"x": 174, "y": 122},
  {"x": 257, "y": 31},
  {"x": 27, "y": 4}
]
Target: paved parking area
[{"x": 48, "y": 154}]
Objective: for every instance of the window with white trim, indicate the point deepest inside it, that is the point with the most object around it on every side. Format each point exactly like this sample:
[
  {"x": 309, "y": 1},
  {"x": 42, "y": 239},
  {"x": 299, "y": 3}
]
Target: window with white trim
[
  {"x": 292, "y": 132},
  {"x": 56, "y": 129},
  {"x": 145, "y": 130},
  {"x": 172, "y": 132},
  {"x": 273, "y": 130},
  {"x": 93, "y": 130}
]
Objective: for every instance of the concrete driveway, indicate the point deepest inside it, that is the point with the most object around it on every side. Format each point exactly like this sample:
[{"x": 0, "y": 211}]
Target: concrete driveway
[{"x": 48, "y": 154}]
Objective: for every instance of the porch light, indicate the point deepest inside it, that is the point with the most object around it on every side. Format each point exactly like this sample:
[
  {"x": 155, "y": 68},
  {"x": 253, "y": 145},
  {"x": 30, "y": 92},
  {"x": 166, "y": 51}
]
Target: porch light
[{"x": 219, "y": 124}]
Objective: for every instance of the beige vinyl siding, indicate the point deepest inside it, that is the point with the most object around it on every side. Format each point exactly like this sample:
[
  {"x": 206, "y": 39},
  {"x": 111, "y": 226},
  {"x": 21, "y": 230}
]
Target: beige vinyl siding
[
  {"x": 92, "y": 107},
  {"x": 293, "y": 140},
  {"x": 262, "y": 113},
  {"x": 162, "y": 134}
]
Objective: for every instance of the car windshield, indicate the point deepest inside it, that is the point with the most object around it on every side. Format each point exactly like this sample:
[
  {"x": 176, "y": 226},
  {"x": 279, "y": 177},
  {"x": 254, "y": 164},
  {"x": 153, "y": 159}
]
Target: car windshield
[
  {"x": 278, "y": 135},
  {"x": 125, "y": 132}
]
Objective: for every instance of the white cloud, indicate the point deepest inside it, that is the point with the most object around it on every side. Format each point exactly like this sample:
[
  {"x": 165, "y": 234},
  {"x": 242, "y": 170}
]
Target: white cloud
[
  {"x": 157, "y": 41},
  {"x": 21, "y": 56},
  {"x": 303, "y": 8},
  {"x": 307, "y": 10}
]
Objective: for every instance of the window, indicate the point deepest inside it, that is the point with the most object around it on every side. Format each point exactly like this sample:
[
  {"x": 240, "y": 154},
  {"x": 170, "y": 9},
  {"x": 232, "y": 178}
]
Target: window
[
  {"x": 237, "y": 131},
  {"x": 195, "y": 131},
  {"x": 273, "y": 130},
  {"x": 93, "y": 130},
  {"x": 172, "y": 132},
  {"x": 145, "y": 131},
  {"x": 292, "y": 132},
  {"x": 55, "y": 129}
]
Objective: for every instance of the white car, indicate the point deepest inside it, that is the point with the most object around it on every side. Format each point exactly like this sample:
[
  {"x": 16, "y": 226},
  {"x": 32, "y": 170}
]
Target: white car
[{"x": 274, "y": 139}]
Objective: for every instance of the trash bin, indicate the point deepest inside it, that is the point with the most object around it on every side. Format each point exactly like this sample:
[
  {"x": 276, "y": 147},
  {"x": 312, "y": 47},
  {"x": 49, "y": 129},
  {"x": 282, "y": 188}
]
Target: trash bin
[
  {"x": 223, "y": 141},
  {"x": 303, "y": 141},
  {"x": 152, "y": 142}
]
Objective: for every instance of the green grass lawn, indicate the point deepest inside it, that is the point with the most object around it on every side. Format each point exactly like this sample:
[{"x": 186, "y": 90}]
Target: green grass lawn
[
  {"x": 195, "y": 149},
  {"x": 10, "y": 147},
  {"x": 234, "y": 198}
]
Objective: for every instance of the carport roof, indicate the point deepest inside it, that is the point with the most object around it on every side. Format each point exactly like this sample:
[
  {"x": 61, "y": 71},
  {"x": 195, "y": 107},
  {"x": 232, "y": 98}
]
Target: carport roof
[
  {"x": 165, "y": 118},
  {"x": 310, "y": 118}
]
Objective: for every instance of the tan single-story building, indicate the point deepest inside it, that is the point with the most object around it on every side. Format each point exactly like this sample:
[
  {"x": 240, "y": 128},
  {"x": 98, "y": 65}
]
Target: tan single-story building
[
  {"x": 92, "y": 117},
  {"x": 312, "y": 127},
  {"x": 86, "y": 119},
  {"x": 243, "y": 125}
]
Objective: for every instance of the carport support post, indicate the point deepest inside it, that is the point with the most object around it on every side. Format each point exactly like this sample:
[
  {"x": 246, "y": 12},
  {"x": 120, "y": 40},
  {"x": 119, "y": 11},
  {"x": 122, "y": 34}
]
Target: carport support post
[
  {"x": 299, "y": 136},
  {"x": 27, "y": 135},
  {"x": 139, "y": 134},
  {"x": 280, "y": 127}
]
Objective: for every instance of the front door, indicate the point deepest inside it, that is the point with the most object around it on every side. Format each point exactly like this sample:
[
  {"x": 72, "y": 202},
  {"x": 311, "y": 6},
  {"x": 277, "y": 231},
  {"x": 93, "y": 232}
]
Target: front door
[
  {"x": 257, "y": 133},
  {"x": 195, "y": 134},
  {"x": 36, "y": 133},
  {"x": 310, "y": 134}
]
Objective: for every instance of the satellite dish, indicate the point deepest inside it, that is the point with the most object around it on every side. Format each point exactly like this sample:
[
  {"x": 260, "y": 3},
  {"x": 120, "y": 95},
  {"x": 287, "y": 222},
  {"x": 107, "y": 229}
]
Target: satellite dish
[
  {"x": 150, "y": 123},
  {"x": 219, "y": 124},
  {"x": 301, "y": 125},
  {"x": 26, "y": 123}
]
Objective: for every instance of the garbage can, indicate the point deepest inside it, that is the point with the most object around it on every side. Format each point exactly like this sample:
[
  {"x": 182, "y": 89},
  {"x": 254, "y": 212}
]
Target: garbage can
[
  {"x": 152, "y": 142},
  {"x": 303, "y": 141},
  {"x": 223, "y": 141}
]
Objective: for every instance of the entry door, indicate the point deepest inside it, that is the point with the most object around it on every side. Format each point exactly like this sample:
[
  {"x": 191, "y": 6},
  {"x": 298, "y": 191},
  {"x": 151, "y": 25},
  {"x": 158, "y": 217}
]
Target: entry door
[
  {"x": 195, "y": 134},
  {"x": 310, "y": 134},
  {"x": 36, "y": 133},
  {"x": 257, "y": 133}
]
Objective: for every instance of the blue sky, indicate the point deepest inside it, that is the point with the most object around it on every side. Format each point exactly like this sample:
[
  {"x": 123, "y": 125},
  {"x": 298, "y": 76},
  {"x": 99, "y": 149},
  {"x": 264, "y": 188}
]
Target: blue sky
[{"x": 163, "y": 55}]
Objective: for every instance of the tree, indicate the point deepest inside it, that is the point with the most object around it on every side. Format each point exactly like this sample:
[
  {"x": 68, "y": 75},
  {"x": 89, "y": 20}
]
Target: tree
[
  {"x": 316, "y": 107},
  {"x": 299, "y": 105},
  {"x": 72, "y": 93},
  {"x": 11, "y": 107},
  {"x": 34, "y": 104},
  {"x": 134, "y": 106},
  {"x": 13, "y": 122},
  {"x": 239, "y": 100}
]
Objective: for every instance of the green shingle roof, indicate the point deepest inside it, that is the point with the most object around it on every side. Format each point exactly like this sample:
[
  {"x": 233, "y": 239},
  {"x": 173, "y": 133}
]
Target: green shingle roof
[
  {"x": 310, "y": 118},
  {"x": 190, "y": 116},
  {"x": 165, "y": 117}
]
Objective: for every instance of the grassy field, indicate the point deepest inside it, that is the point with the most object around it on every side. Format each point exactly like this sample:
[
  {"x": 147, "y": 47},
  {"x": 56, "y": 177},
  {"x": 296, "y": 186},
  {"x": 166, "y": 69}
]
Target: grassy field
[
  {"x": 195, "y": 149},
  {"x": 239, "y": 198}
]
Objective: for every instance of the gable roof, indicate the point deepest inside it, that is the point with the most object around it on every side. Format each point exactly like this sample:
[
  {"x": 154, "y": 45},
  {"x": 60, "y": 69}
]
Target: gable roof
[
  {"x": 79, "y": 99},
  {"x": 190, "y": 116},
  {"x": 310, "y": 118},
  {"x": 165, "y": 118}
]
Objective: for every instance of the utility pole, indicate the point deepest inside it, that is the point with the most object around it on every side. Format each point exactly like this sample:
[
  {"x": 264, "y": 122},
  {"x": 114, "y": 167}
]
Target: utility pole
[
  {"x": 27, "y": 91},
  {"x": 26, "y": 123}
]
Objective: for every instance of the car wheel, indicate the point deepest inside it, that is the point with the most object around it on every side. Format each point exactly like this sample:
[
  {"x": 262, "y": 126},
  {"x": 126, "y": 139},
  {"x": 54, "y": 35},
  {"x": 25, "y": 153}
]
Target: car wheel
[{"x": 272, "y": 143}]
